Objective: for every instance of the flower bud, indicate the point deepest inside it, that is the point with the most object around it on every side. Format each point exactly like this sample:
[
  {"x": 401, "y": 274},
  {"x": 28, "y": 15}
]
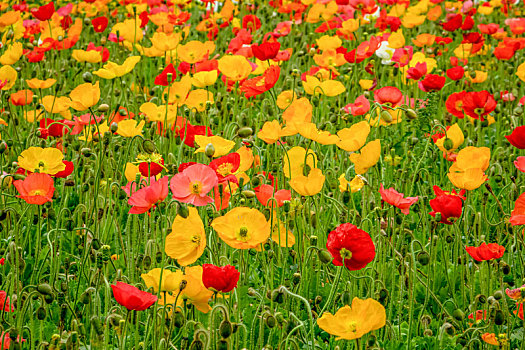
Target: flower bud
[
  {"x": 448, "y": 144},
  {"x": 458, "y": 314},
  {"x": 183, "y": 210},
  {"x": 499, "y": 317},
  {"x": 87, "y": 77},
  {"x": 44, "y": 289},
  {"x": 41, "y": 313},
  {"x": 423, "y": 258},
  {"x": 324, "y": 256},
  {"x": 386, "y": 116},
  {"x": 209, "y": 150},
  {"x": 148, "y": 146},
  {"x": 103, "y": 108},
  {"x": 225, "y": 329},
  {"x": 270, "y": 321},
  {"x": 411, "y": 114}
]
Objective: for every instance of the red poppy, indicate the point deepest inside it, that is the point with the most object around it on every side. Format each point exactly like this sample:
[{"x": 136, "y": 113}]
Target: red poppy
[
  {"x": 265, "y": 193},
  {"x": 454, "y": 104},
  {"x": 103, "y": 50},
  {"x": 365, "y": 50},
  {"x": 478, "y": 104},
  {"x": 148, "y": 197},
  {"x": 5, "y": 340},
  {"x": 388, "y": 95},
  {"x": 261, "y": 84},
  {"x": 131, "y": 297},
  {"x": 352, "y": 245},
  {"x": 266, "y": 51},
  {"x": 251, "y": 22},
  {"x": 55, "y": 128},
  {"x": 36, "y": 188},
  {"x": 188, "y": 132},
  {"x": 468, "y": 23},
  {"x": 67, "y": 171},
  {"x": 221, "y": 197},
  {"x": 151, "y": 167},
  {"x": 396, "y": 199},
  {"x": 226, "y": 166},
  {"x": 448, "y": 204},
  {"x": 359, "y": 107},
  {"x": 22, "y": 97},
  {"x": 486, "y": 251},
  {"x": 519, "y": 163},
  {"x": 5, "y": 303},
  {"x": 66, "y": 22},
  {"x": 455, "y": 73},
  {"x": 162, "y": 78},
  {"x": 418, "y": 71},
  {"x": 100, "y": 23},
  {"x": 517, "y": 137},
  {"x": 432, "y": 82},
  {"x": 453, "y": 23},
  {"x": 44, "y": 12},
  {"x": 517, "y": 217},
  {"x": 488, "y": 29},
  {"x": 220, "y": 278}
]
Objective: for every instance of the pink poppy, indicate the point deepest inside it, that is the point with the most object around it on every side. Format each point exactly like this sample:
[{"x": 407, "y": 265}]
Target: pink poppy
[
  {"x": 193, "y": 184},
  {"x": 388, "y": 95},
  {"x": 519, "y": 163},
  {"x": 359, "y": 107},
  {"x": 397, "y": 199},
  {"x": 146, "y": 198}
]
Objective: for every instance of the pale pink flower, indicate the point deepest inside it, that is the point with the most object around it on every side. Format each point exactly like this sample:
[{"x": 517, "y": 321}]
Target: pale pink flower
[{"x": 193, "y": 184}]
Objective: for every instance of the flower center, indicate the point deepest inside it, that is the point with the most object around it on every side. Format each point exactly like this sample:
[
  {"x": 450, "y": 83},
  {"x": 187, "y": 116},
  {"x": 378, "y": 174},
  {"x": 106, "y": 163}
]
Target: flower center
[
  {"x": 225, "y": 169},
  {"x": 352, "y": 326},
  {"x": 35, "y": 193},
  {"x": 196, "y": 240},
  {"x": 196, "y": 187},
  {"x": 345, "y": 254},
  {"x": 243, "y": 234}
]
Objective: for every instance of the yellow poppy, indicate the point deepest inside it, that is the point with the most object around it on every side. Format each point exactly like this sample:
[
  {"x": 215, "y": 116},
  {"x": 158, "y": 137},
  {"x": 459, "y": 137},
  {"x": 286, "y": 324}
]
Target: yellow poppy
[
  {"x": 367, "y": 158},
  {"x": 112, "y": 70},
  {"x": 53, "y": 104},
  {"x": 85, "y": 96},
  {"x": 270, "y": 132},
  {"x": 91, "y": 56},
  {"x": 8, "y": 75},
  {"x": 353, "y": 322},
  {"x": 235, "y": 67},
  {"x": 187, "y": 239},
  {"x": 299, "y": 110},
  {"x": 221, "y": 145},
  {"x": 12, "y": 54},
  {"x": 204, "y": 78},
  {"x": 170, "y": 280},
  {"x": 42, "y": 160},
  {"x": 455, "y": 135},
  {"x": 130, "y": 127},
  {"x": 310, "y": 131},
  {"x": 353, "y": 138},
  {"x": 195, "y": 51},
  {"x": 354, "y": 185},
  {"x": 295, "y": 160},
  {"x": 40, "y": 84},
  {"x": 308, "y": 185},
  {"x": 242, "y": 228},
  {"x": 312, "y": 86},
  {"x": 199, "y": 99}
]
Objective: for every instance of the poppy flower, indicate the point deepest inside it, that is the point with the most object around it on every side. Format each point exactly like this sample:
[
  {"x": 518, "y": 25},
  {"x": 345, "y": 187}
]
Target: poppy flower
[
  {"x": 100, "y": 23},
  {"x": 187, "y": 239},
  {"x": 396, "y": 199},
  {"x": 42, "y": 160},
  {"x": 85, "y": 96},
  {"x": 259, "y": 85},
  {"x": 517, "y": 217},
  {"x": 353, "y": 138},
  {"x": 478, "y": 104},
  {"x": 162, "y": 78},
  {"x": 360, "y": 106},
  {"x": 220, "y": 278},
  {"x": 389, "y": 96},
  {"x": 519, "y": 163},
  {"x": 454, "y": 104},
  {"x": 308, "y": 185},
  {"x": 150, "y": 164},
  {"x": 455, "y": 73},
  {"x": 242, "y": 228},
  {"x": 432, "y": 82},
  {"x": 131, "y": 297},
  {"x": 225, "y": 167},
  {"x": 418, "y": 71},
  {"x": 517, "y": 293},
  {"x": 188, "y": 132},
  {"x": 251, "y": 22},
  {"x": 352, "y": 322},
  {"x": 517, "y": 137},
  {"x": 266, "y": 51},
  {"x": 5, "y": 303},
  {"x": 354, "y": 246},
  {"x": 168, "y": 282},
  {"x": 36, "y": 188},
  {"x": 486, "y": 251},
  {"x": 5, "y": 339},
  {"x": 367, "y": 157},
  {"x": 266, "y": 193},
  {"x": 193, "y": 184},
  {"x": 147, "y": 197},
  {"x": 221, "y": 145},
  {"x": 22, "y": 97},
  {"x": 70, "y": 167},
  {"x": 448, "y": 204},
  {"x": 55, "y": 128},
  {"x": 44, "y": 12}
]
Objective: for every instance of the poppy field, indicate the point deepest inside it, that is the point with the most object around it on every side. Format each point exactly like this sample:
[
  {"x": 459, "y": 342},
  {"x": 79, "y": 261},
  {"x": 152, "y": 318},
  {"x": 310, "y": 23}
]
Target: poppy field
[{"x": 281, "y": 174}]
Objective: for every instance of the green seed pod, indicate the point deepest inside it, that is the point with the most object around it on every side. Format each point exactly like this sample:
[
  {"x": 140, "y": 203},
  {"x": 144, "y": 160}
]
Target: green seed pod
[
  {"x": 44, "y": 289},
  {"x": 296, "y": 278},
  {"x": 248, "y": 194},
  {"x": 148, "y": 146},
  {"x": 87, "y": 77},
  {"x": 97, "y": 325},
  {"x": 499, "y": 317},
  {"x": 245, "y": 132},
  {"x": 270, "y": 321},
  {"x": 411, "y": 114},
  {"x": 498, "y": 295},
  {"x": 277, "y": 296},
  {"x": 178, "y": 319},
  {"x": 386, "y": 116},
  {"x": 197, "y": 344},
  {"x": 209, "y": 150},
  {"x": 41, "y": 313},
  {"x": 225, "y": 329},
  {"x": 183, "y": 210},
  {"x": 103, "y": 108},
  {"x": 222, "y": 344},
  {"x": 346, "y": 298},
  {"x": 482, "y": 299},
  {"x": 458, "y": 314},
  {"x": 423, "y": 258},
  {"x": 324, "y": 256},
  {"x": 448, "y": 144}
]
